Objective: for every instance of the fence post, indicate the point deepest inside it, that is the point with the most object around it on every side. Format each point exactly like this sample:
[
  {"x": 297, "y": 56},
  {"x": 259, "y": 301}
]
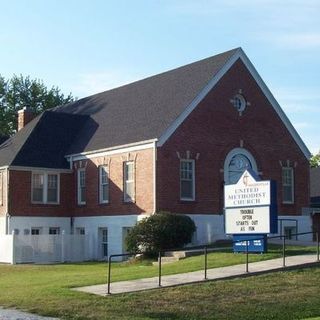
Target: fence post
[
  {"x": 13, "y": 247},
  {"x": 62, "y": 247},
  {"x": 318, "y": 249},
  {"x": 205, "y": 262},
  {"x": 109, "y": 274},
  {"x": 284, "y": 251},
  {"x": 159, "y": 262},
  {"x": 247, "y": 256}
]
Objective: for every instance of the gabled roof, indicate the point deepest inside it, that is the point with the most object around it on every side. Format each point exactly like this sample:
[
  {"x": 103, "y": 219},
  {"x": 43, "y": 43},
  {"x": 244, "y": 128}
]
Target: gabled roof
[
  {"x": 142, "y": 110},
  {"x": 152, "y": 108}
]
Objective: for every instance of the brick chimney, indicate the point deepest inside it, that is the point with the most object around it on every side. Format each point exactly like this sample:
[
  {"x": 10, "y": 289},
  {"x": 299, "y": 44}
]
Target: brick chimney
[{"x": 25, "y": 115}]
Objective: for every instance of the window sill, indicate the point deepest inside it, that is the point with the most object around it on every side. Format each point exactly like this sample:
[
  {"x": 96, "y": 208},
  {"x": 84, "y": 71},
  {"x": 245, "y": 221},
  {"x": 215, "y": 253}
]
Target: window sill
[
  {"x": 128, "y": 202},
  {"x": 81, "y": 204},
  {"x": 45, "y": 204},
  {"x": 104, "y": 203},
  {"x": 187, "y": 201}
]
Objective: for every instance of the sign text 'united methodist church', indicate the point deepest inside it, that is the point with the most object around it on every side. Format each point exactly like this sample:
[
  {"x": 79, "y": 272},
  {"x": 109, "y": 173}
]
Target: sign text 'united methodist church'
[{"x": 248, "y": 206}]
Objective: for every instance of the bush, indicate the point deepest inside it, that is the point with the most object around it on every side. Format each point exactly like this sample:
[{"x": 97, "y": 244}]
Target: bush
[{"x": 161, "y": 231}]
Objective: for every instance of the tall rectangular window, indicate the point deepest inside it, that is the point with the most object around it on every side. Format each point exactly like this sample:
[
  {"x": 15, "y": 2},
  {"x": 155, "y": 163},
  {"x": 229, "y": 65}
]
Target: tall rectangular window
[
  {"x": 81, "y": 186},
  {"x": 38, "y": 187},
  {"x": 103, "y": 184},
  {"x": 52, "y": 187},
  {"x": 129, "y": 187},
  {"x": 287, "y": 185},
  {"x": 45, "y": 188},
  {"x": 187, "y": 182}
]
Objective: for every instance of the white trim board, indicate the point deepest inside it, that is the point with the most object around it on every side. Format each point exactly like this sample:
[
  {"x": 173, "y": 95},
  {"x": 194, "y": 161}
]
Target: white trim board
[
  {"x": 113, "y": 150},
  {"x": 239, "y": 54},
  {"x": 55, "y": 170}
]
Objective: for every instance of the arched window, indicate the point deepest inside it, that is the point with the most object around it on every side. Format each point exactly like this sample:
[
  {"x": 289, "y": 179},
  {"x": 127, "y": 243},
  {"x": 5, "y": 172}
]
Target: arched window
[{"x": 237, "y": 161}]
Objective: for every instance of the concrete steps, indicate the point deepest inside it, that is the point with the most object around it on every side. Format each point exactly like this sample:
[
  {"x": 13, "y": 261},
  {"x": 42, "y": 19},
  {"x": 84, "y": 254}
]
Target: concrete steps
[
  {"x": 166, "y": 260},
  {"x": 174, "y": 256}
]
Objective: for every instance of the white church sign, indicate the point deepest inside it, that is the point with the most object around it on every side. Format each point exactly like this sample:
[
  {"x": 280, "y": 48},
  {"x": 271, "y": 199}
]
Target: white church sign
[{"x": 247, "y": 206}]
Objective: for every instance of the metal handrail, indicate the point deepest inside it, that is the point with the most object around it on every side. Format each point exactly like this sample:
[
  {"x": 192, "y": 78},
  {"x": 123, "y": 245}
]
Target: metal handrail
[{"x": 205, "y": 252}]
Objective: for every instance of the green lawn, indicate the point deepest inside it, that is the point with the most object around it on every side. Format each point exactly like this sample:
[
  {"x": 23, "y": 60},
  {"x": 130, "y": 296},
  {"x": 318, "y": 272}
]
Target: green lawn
[{"x": 46, "y": 290}]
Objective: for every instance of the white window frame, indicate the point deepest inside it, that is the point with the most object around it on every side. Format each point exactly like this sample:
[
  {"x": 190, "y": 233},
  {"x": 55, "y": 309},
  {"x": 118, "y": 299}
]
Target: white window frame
[
  {"x": 45, "y": 187},
  {"x": 125, "y": 182},
  {"x": 229, "y": 157},
  {"x": 290, "y": 169},
  {"x": 193, "y": 180},
  {"x": 101, "y": 168},
  {"x": 81, "y": 201}
]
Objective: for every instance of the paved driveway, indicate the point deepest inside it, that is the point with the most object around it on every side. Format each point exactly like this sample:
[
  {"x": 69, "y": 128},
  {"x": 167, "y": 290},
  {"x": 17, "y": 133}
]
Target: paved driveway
[{"x": 7, "y": 314}]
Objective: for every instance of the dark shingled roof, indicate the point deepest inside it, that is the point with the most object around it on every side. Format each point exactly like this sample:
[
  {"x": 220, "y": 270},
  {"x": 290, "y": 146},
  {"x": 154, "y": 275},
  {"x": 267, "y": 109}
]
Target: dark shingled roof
[
  {"x": 43, "y": 142},
  {"x": 139, "y": 111},
  {"x": 142, "y": 110}
]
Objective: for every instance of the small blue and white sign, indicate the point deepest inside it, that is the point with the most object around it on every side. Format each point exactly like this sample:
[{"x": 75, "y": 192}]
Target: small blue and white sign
[{"x": 256, "y": 243}]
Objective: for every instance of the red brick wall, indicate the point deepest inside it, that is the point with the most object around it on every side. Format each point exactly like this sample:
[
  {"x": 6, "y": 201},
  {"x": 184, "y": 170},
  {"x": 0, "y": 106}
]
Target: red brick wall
[
  {"x": 213, "y": 129},
  {"x": 116, "y": 206},
  {"x": 20, "y": 196},
  {"x": 20, "y": 189}
]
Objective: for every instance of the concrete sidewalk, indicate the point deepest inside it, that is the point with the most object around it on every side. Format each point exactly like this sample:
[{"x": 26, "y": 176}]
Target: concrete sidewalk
[
  {"x": 198, "y": 276},
  {"x": 10, "y": 314}
]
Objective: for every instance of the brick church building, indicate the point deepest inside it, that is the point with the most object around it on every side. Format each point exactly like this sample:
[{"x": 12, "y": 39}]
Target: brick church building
[{"x": 168, "y": 142}]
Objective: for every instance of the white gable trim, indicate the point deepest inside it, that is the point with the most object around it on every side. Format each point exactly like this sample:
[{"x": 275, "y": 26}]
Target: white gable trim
[
  {"x": 239, "y": 54},
  {"x": 113, "y": 150}
]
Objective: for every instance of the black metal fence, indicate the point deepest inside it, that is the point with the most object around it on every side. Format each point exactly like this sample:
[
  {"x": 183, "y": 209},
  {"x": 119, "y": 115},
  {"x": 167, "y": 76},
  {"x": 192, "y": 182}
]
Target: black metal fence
[{"x": 205, "y": 253}]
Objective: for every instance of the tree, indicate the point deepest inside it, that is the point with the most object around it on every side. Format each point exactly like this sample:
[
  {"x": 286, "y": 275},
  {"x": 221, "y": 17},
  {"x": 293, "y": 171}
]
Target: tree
[
  {"x": 315, "y": 161},
  {"x": 19, "y": 92},
  {"x": 160, "y": 231}
]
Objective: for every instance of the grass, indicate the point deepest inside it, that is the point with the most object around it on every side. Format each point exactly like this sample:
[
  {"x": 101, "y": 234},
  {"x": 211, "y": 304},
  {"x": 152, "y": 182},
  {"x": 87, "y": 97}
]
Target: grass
[{"x": 46, "y": 290}]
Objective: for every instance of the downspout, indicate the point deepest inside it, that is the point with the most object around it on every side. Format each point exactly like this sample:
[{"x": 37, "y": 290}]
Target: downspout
[
  {"x": 7, "y": 220},
  {"x": 154, "y": 176}
]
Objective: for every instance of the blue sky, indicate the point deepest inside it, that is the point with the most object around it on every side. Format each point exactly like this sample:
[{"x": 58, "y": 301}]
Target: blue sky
[{"x": 91, "y": 46}]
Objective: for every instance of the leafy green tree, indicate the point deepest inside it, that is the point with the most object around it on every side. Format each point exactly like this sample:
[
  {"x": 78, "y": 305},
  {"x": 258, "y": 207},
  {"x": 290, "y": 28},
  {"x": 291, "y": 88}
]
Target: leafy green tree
[
  {"x": 315, "y": 161},
  {"x": 160, "y": 231},
  {"x": 19, "y": 92}
]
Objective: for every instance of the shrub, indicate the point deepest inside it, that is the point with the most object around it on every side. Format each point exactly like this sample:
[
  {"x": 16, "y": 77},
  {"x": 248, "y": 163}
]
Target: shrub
[{"x": 161, "y": 231}]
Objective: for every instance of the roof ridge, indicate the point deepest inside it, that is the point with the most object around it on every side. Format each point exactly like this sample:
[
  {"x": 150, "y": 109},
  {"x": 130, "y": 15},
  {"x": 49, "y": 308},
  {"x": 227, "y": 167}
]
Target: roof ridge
[{"x": 152, "y": 76}]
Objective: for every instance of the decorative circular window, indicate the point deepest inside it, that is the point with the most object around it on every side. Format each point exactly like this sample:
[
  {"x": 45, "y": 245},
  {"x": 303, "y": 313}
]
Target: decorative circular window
[{"x": 239, "y": 102}]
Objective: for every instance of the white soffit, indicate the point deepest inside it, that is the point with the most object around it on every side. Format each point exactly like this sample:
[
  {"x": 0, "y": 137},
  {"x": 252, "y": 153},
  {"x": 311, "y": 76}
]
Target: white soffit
[{"x": 239, "y": 54}]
